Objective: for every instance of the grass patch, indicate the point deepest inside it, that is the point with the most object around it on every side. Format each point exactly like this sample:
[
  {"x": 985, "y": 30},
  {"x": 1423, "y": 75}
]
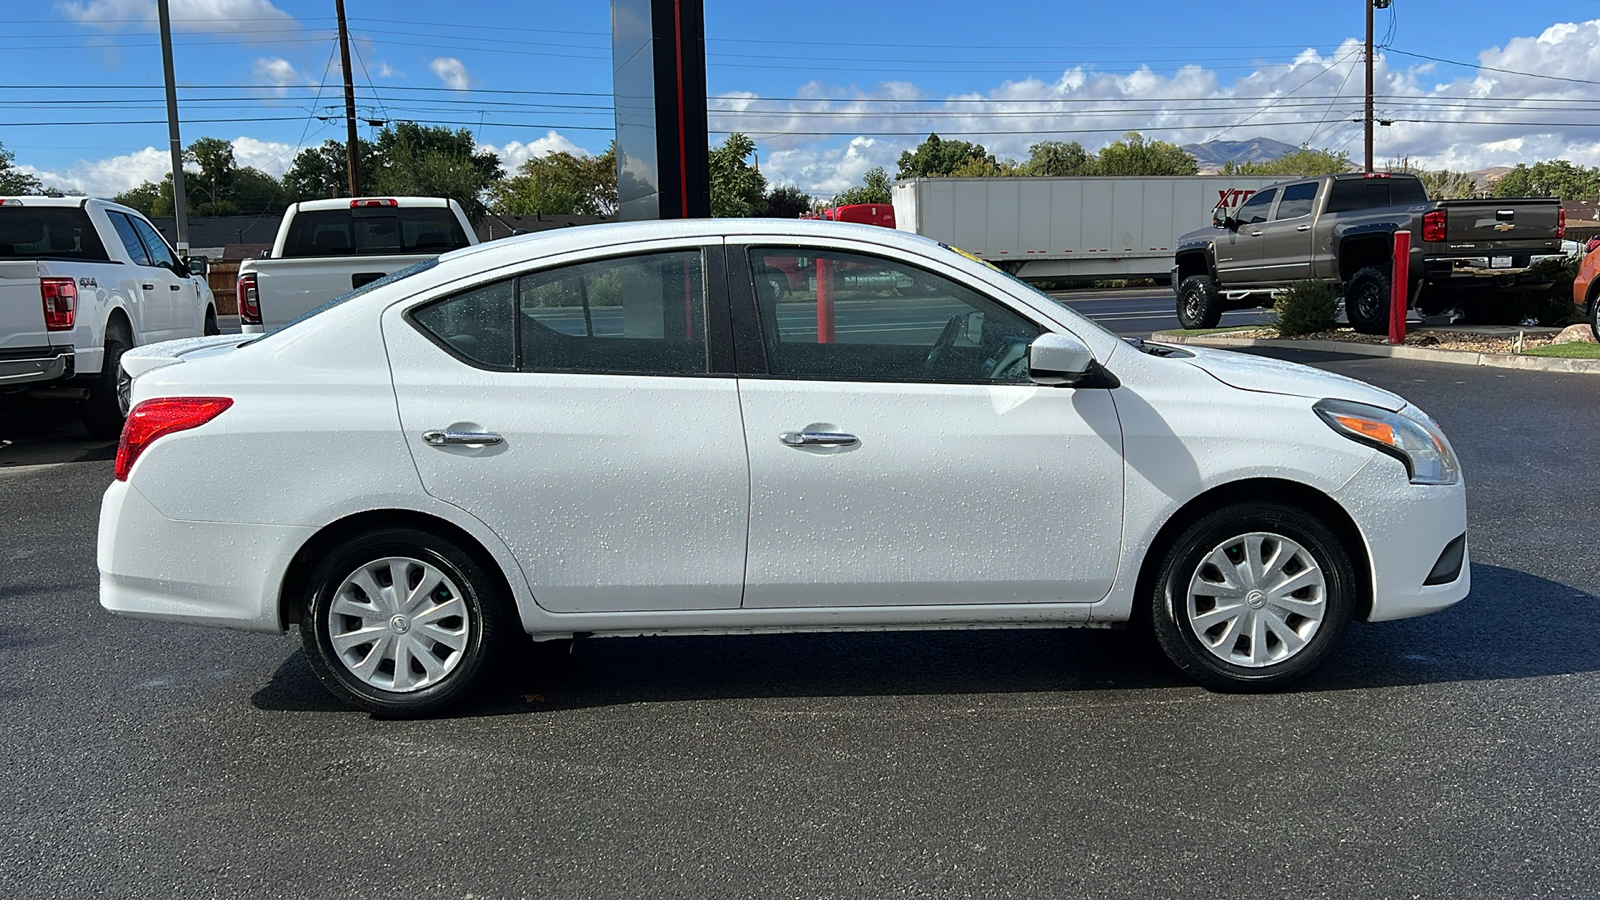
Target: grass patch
[
  {"x": 1566, "y": 351},
  {"x": 1198, "y": 332}
]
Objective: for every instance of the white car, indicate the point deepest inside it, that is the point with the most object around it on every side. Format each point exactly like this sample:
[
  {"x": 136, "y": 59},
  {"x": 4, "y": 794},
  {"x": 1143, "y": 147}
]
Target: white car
[{"x": 642, "y": 429}]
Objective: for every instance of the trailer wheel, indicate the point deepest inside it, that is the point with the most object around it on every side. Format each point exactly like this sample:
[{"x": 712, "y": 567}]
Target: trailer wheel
[
  {"x": 1366, "y": 300},
  {"x": 1199, "y": 302}
]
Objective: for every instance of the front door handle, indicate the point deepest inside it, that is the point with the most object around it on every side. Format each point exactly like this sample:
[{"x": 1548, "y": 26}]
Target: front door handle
[
  {"x": 1303, "y": 228},
  {"x": 1255, "y": 234},
  {"x": 475, "y": 438},
  {"x": 818, "y": 439},
  {"x": 174, "y": 287}
]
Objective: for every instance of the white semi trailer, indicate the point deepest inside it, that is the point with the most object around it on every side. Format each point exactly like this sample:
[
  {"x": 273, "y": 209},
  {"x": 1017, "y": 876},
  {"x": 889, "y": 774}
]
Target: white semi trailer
[{"x": 1078, "y": 227}]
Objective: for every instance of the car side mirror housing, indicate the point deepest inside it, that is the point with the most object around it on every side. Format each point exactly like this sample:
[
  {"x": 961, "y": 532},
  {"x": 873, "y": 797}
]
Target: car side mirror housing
[
  {"x": 198, "y": 265},
  {"x": 1221, "y": 219},
  {"x": 1058, "y": 359}
]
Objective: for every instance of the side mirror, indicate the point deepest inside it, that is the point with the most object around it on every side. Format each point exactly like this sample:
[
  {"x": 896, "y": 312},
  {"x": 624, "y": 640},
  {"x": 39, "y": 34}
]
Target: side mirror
[
  {"x": 1221, "y": 219},
  {"x": 1058, "y": 359},
  {"x": 198, "y": 265}
]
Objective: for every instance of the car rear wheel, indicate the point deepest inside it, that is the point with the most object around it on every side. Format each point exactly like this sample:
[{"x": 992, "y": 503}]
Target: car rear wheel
[
  {"x": 403, "y": 622},
  {"x": 1594, "y": 315},
  {"x": 1199, "y": 302},
  {"x": 1252, "y": 597},
  {"x": 1366, "y": 300},
  {"x": 106, "y": 407}
]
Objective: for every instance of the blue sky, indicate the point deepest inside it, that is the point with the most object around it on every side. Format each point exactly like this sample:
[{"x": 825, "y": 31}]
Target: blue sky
[{"x": 827, "y": 88}]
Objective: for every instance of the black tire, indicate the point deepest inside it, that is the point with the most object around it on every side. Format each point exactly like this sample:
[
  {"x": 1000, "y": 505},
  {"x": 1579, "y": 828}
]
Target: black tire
[
  {"x": 211, "y": 326},
  {"x": 106, "y": 407},
  {"x": 1199, "y": 302},
  {"x": 1594, "y": 315},
  {"x": 1366, "y": 300},
  {"x": 471, "y": 608},
  {"x": 1221, "y": 657}
]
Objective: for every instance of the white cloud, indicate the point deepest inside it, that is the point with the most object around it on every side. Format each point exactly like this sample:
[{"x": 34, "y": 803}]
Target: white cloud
[
  {"x": 384, "y": 70},
  {"x": 103, "y": 178},
  {"x": 451, "y": 71},
  {"x": 277, "y": 71},
  {"x": 272, "y": 157},
  {"x": 242, "y": 16},
  {"x": 514, "y": 153}
]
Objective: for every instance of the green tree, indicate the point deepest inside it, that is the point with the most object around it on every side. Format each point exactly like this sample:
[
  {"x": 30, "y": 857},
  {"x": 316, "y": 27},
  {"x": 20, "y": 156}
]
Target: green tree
[
  {"x": 210, "y": 191},
  {"x": 560, "y": 184},
  {"x": 787, "y": 202},
  {"x": 1134, "y": 155},
  {"x": 874, "y": 188},
  {"x": 1550, "y": 178},
  {"x": 144, "y": 197},
  {"x": 434, "y": 161},
  {"x": 12, "y": 179},
  {"x": 938, "y": 157},
  {"x": 320, "y": 173},
  {"x": 220, "y": 187},
  {"x": 1057, "y": 158},
  {"x": 1301, "y": 163},
  {"x": 738, "y": 190}
]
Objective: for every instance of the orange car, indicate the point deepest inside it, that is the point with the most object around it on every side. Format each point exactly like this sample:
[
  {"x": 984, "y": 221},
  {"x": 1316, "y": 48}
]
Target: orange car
[{"x": 1586, "y": 290}]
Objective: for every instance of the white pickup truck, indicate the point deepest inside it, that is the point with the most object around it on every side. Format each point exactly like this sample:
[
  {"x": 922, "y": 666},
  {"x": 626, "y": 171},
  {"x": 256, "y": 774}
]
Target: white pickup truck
[
  {"x": 326, "y": 248},
  {"x": 82, "y": 281}
]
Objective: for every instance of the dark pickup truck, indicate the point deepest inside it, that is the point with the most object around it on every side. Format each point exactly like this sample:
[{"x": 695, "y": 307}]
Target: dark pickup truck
[{"x": 1340, "y": 229}]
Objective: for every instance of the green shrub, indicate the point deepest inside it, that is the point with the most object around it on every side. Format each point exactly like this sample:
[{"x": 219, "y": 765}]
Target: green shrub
[{"x": 1305, "y": 307}]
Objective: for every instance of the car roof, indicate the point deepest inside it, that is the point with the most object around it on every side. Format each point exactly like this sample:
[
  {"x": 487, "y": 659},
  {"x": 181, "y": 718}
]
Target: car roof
[{"x": 506, "y": 251}]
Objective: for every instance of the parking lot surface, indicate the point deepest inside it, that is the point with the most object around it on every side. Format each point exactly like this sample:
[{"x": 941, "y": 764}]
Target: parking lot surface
[{"x": 1448, "y": 756}]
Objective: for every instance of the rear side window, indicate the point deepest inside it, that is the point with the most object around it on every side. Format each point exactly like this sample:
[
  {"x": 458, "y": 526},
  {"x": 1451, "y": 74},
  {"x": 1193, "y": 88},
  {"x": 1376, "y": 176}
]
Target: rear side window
[
  {"x": 374, "y": 231},
  {"x": 154, "y": 244},
  {"x": 49, "y": 232},
  {"x": 130, "y": 238},
  {"x": 1371, "y": 193},
  {"x": 1297, "y": 200}
]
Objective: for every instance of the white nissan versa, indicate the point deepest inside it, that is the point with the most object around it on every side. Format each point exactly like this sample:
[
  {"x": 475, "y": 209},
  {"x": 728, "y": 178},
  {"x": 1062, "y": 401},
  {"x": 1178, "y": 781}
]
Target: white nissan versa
[{"x": 731, "y": 426}]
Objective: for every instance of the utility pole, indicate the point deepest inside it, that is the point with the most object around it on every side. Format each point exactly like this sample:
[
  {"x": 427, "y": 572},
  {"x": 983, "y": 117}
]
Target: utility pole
[
  {"x": 353, "y": 159},
  {"x": 180, "y": 202},
  {"x": 1367, "y": 118}
]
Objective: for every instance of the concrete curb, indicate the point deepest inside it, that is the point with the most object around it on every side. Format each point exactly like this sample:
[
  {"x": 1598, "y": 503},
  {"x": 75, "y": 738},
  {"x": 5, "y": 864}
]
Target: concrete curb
[{"x": 1456, "y": 357}]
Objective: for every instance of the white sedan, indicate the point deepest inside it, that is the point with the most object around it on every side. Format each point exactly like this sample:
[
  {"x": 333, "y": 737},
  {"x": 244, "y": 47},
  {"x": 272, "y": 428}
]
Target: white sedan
[{"x": 735, "y": 426}]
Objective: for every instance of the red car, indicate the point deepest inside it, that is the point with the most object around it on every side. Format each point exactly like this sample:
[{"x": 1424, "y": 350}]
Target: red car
[{"x": 1586, "y": 290}]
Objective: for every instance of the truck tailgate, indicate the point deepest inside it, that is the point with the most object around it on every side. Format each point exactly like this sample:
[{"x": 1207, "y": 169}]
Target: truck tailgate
[
  {"x": 22, "y": 308},
  {"x": 289, "y": 288},
  {"x": 1500, "y": 222}
]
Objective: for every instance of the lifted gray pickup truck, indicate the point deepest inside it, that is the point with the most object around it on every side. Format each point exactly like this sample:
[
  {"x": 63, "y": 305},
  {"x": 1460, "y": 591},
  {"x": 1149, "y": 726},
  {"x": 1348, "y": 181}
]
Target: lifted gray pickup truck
[{"x": 1340, "y": 229}]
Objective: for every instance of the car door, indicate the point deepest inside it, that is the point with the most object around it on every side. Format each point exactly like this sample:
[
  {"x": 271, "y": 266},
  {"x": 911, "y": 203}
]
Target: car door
[
  {"x": 899, "y": 456},
  {"x": 151, "y": 319},
  {"x": 175, "y": 295},
  {"x": 1239, "y": 250},
  {"x": 573, "y": 409},
  {"x": 1286, "y": 239}
]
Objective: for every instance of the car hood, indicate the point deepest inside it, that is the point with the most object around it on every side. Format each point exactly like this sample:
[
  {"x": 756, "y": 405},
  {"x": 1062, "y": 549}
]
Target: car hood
[{"x": 1275, "y": 376}]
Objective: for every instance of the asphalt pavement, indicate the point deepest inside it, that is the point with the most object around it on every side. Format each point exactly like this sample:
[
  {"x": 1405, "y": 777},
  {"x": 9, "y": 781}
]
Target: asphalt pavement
[{"x": 1453, "y": 755}]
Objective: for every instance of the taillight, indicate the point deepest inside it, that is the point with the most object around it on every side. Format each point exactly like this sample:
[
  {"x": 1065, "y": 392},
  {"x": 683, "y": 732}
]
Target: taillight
[
  {"x": 1561, "y": 223},
  {"x": 369, "y": 202},
  {"x": 60, "y": 303},
  {"x": 163, "y": 416},
  {"x": 249, "y": 300},
  {"x": 1433, "y": 226}
]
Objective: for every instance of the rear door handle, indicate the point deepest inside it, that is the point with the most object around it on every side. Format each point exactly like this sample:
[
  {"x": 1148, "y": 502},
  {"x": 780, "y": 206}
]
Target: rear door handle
[
  {"x": 148, "y": 287},
  {"x": 818, "y": 439},
  {"x": 475, "y": 438}
]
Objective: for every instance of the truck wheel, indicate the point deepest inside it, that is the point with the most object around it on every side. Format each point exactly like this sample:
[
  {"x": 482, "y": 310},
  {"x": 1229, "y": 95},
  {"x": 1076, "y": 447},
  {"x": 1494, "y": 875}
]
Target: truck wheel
[
  {"x": 1594, "y": 316},
  {"x": 1199, "y": 303},
  {"x": 1366, "y": 300},
  {"x": 211, "y": 322},
  {"x": 107, "y": 404}
]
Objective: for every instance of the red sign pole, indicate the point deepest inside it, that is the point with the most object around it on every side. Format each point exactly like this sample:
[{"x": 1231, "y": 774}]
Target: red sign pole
[
  {"x": 1399, "y": 284},
  {"x": 824, "y": 301}
]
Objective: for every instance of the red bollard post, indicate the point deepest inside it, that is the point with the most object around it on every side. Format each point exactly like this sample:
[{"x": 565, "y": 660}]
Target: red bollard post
[
  {"x": 824, "y": 301},
  {"x": 1399, "y": 287}
]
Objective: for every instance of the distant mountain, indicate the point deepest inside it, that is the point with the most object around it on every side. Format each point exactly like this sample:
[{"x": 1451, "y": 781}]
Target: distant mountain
[{"x": 1212, "y": 154}]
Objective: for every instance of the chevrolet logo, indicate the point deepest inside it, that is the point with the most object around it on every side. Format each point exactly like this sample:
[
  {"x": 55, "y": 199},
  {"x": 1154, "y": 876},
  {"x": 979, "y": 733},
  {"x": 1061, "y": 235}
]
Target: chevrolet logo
[{"x": 1503, "y": 226}]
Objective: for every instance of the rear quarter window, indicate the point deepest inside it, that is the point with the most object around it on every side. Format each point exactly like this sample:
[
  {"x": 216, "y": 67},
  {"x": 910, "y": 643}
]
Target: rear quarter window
[{"x": 49, "y": 232}]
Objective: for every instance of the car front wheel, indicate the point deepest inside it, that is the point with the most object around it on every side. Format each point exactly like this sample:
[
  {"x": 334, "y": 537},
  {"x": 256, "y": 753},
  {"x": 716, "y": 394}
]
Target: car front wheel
[
  {"x": 1252, "y": 597},
  {"x": 1199, "y": 302},
  {"x": 403, "y": 622}
]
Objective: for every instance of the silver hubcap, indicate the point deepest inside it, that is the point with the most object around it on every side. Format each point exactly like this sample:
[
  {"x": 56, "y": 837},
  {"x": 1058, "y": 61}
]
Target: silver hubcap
[
  {"x": 398, "y": 624},
  {"x": 1257, "y": 599}
]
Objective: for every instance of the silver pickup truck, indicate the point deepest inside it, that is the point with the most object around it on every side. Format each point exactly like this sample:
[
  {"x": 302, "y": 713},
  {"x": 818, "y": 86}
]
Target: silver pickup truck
[
  {"x": 81, "y": 282},
  {"x": 1340, "y": 229},
  {"x": 326, "y": 248}
]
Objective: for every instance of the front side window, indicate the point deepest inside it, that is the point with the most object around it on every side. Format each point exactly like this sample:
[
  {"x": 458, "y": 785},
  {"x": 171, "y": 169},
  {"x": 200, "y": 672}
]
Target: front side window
[
  {"x": 1254, "y": 210},
  {"x": 831, "y": 314},
  {"x": 1297, "y": 201},
  {"x": 635, "y": 315}
]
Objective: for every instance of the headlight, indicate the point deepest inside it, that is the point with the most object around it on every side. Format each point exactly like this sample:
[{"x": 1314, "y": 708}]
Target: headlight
[{"x": 1409, "y": 436}]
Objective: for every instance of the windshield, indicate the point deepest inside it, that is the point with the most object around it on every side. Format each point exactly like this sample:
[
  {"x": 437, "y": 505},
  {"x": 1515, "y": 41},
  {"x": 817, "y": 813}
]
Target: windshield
[{"x": 388, "y": 279}]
